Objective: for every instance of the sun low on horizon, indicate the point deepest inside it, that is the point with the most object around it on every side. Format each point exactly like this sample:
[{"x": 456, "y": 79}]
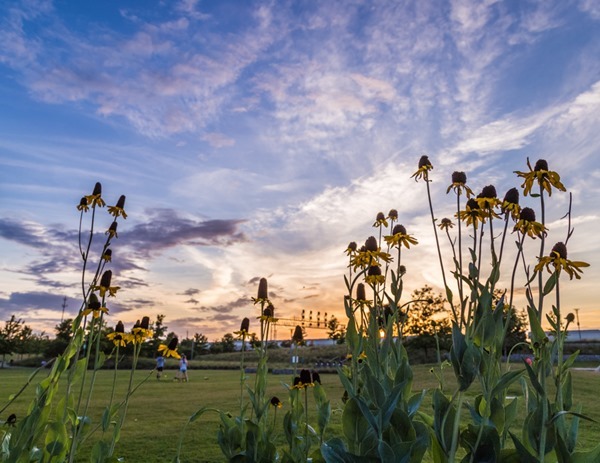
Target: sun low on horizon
[{"x": 258, "y": 139}]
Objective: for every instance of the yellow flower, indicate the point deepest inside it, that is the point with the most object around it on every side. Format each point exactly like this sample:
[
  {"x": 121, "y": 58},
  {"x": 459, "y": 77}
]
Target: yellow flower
[
  {"x": 361, "y": 357},
  {"x": 459, "y": 183},
  {"x": 380, "y": 220},
  {"x": 510, "y": 204},
  {"x": 399, "y": 237},
  {"x": 83, "y": 205},
  {"x": 472, "y": 215},
  {"x": 112, "y": 230},
  {"x": 105, "y": 285},
  {"x": 374, "y": 275},
  {"x": 361, "y": 298},
  {"x": 95, "y": 199},
  {"x": 244, "y": 327},
  {"x": 446, "y": 224},
  {"x": 558, "y": 260},
  {"x": 527, "y": 224},
  {"x": 306, "y": 379},
  {"x": 170, "y": 350},
  {"x": 540, "y": 174},
  {"x": 263, "y": 292},
  {"x": 118, "y": 210},
  {"x": 276, "y": 402},
  {"x": 141, "y": 331},
  {"x": 118, "y": 336},
  {"x": 369, "y": 254},
  {"x": 487, "y": 200},
  {"x": 94, "y": 307},
  {"x": 351, "y": 249},
  {"x": 423, "y": 170}
]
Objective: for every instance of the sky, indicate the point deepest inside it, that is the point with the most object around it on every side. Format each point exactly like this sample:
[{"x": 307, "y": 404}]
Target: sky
[{"x": 258, "y": 138}]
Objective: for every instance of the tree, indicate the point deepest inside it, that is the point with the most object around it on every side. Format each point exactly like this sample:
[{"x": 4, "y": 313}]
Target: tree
[
  {"x": 10, "y": 335},
  {"x": 427, "y": 315},
  {"x": 63, "y": 335},
  {"x": 427, "y": 318},
  {"x": 226, "y": 344},
  {"x": 200, "y": 344},
  {"x": 336, "y": 331}
]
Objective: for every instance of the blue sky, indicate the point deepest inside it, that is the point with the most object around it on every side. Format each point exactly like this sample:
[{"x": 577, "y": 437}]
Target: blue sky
[{"x": 256, "y": 139}]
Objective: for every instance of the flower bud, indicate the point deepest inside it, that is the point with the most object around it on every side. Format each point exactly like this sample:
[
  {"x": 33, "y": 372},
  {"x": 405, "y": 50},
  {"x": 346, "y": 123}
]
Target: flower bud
[
  {"x": 97, "y": 189},
  {"x": 560, "y": 249},
  {"x": 570, "y": 317},
  {"x": 399, "y": 229},
  {"x": 512, "y": 196},
  {"x": 393, "y": 214},
  {"x": 145, "y": 323},
  {"x": 173, "y": 343},
  {"x": 263, "y": 292},
  {"x": 374, "y": 270},
  {"x": 424, "y": 162},
  {"x": 488, "y": 191},
  {"x": 459, "y": 177},
  {"x": 245, "y": 326},
  {"x": 93, "y": 302},
  {"x": 275, "y": 401},
  {"x": 360, "y": 292},
  {"x": 527, "y": 214},
  {"x": 541, "y": 164},
  {"x": 371, "y": 244},
  {"x": 472, "y": 204},
  {"x": 269, "y": 311},
  {"x": 119, "y": 328},
  {"x": 105, "y": 280},
  {"x": 305, "y": 377},
  {"x": 121, "y": 202}
]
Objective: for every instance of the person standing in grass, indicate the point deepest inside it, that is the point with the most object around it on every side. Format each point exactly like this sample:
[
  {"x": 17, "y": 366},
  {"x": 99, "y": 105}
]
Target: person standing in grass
[
  {"x": 160, "y": 365},
  {"x": 183, "y": 376}
]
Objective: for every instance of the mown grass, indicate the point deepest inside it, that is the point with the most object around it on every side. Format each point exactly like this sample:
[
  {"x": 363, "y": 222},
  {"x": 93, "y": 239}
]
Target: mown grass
[{"x": 159, "y": 410}]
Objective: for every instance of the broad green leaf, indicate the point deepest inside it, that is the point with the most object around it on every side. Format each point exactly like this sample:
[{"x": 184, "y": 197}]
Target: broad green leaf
[{"x": 550, "y": 283}]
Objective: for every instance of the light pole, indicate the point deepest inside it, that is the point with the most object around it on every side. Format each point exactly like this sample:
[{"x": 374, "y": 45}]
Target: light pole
[{"x": 578, "y": 325}]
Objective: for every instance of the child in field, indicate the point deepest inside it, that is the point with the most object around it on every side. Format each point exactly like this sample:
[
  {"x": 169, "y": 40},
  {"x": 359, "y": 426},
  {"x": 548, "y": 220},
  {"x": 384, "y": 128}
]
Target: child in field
[
  {"x": 160, "y": 365},
  {"x": 183, "y": 376}
]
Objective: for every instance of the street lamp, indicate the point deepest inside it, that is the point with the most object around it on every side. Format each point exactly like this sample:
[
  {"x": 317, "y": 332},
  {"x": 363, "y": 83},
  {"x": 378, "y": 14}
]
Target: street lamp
[{"x": 578, "y": 325}]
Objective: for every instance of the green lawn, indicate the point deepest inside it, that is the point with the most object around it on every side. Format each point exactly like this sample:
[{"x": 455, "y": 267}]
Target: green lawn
[{"x": 159, "y": 409}]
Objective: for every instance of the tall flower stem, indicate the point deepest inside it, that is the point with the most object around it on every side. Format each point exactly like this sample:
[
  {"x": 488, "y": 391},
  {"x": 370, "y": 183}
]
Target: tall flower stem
[
  {"x": 542, "y": 242},
  {"x": 437, "y": 243},
  {"x": 460, "y": 263}
]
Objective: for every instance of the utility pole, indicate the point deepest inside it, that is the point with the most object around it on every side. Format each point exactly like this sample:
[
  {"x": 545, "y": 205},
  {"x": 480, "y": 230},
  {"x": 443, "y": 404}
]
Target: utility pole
[
  {"x": 64, "y": 306},
  {"x": 578, "y": 325}
]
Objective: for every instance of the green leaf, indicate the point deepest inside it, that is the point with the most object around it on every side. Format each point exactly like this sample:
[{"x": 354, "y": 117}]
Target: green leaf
[
  {"x": 537, "y": 333},
  {"x": 354, "y": 424},
  {"x": 591, "y": 456},
  {"x": 524, "y": 454},
  {"x": 386, "y": 453},
  {"x": 505, "y": 380},
  {"x": 415, "y": 402},
  {"x": 550, "y": 284},
  {"x": 566, "y": 412}
]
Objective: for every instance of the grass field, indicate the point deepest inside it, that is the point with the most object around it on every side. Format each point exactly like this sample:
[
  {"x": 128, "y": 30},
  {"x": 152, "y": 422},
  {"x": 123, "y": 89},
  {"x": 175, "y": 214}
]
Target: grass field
[{"x": 159, "y": 409}]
